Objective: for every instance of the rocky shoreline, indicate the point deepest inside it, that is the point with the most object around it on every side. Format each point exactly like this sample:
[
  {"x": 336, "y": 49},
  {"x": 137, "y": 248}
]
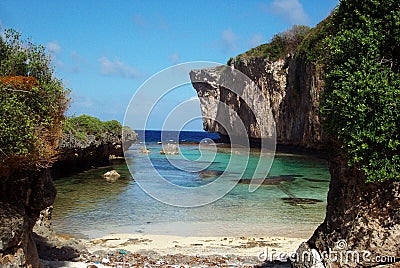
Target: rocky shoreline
[
  {"x": 77, "y": 154},
  {"x": 27, "y": 195}
]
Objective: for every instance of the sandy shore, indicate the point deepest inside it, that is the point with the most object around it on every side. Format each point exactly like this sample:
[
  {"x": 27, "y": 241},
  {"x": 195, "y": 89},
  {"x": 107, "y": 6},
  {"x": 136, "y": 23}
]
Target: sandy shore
[
  {"x": 138, "y": 250},
  {"x": 166, "y": 244}
]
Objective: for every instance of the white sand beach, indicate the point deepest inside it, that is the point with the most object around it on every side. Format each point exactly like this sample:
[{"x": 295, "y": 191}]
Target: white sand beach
[{"x": 229, "y": 251}]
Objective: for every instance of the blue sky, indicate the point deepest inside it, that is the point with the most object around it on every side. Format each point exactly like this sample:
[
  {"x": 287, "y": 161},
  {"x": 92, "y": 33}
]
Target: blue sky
[{"x": 104, "y": 50}]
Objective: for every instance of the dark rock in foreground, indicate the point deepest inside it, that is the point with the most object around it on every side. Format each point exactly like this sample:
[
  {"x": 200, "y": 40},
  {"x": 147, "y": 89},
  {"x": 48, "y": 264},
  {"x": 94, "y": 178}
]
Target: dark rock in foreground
[
  {"x": 361, "y": 218},
  {"x": 23, "y": 194}
]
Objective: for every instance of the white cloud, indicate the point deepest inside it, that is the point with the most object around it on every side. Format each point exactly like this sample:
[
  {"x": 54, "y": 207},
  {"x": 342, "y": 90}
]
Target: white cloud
[
  {"x": 174, "y": 58},
  {"x": 256, "y": 40},
  {"x": 54, "y": 47},
  {"x": 229, "y": 40},
  {"x": 117, "y": 68},
  {"x": 290, "y": 10}
]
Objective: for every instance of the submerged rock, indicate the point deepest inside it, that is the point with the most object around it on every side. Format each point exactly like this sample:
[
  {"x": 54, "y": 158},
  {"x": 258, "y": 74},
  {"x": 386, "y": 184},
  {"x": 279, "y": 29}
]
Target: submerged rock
[
  {"x": 144, "y": 150},
  {"x": 276, "y": 180},
  {"x": 315, "y": 180},
  {"x": 300, "y": 201},
  {"x": 111, "y": 175},
  {"x": 207, "y": 174}
]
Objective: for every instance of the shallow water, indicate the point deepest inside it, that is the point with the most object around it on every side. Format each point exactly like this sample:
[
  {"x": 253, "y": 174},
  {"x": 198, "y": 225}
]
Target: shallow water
[{"x": 293, "y": 205}]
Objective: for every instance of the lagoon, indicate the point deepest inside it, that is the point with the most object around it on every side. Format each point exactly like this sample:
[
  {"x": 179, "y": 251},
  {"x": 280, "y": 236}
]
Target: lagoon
[{"x": 88, "y": 206}]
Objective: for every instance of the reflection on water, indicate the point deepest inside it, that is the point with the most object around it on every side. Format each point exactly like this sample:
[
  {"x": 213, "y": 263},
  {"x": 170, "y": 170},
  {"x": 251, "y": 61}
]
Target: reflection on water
[{"x": 88, "y": 205}]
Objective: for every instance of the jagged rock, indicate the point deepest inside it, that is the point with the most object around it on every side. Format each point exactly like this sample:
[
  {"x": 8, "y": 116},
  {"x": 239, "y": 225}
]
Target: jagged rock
[
  {"x": 291, "y": 88},
  {"x": 170, "y": 149},
  {"x": 307, "y": 257},
  {"x": 43, "y": 226},
  {"x": 77, "y": 155},
  {"x": 114, "y": 157},
  {"x": 23, "y": 194},
  {"x": 58, "y": 248},
  {"x": 53, "y": 247},
  {"x": 111, "y": 175},
  {"x": 361, "y": 217},
  {"x": 144, "y": 150}
]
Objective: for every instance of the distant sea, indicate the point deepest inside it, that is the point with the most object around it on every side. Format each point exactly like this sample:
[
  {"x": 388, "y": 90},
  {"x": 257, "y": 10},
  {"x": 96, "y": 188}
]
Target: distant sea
[
  {"x": 88, "y": 206},
  {"x": 154, "y": 136}
]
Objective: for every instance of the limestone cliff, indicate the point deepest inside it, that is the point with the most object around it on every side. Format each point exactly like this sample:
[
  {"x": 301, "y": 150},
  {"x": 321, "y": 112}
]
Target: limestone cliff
[
  {"x": 291, "y": 88},
  {"x": 361, "y": 217}
]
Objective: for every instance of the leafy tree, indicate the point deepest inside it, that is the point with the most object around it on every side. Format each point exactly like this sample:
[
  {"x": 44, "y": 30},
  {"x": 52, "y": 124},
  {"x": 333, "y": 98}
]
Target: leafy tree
[
  {"x": 361, "y": 101},
  {"x": 32, "y": 104}
]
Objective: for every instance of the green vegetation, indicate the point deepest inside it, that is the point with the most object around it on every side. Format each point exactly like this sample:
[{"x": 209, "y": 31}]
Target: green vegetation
[
  {"x": 281, "y": 44},
  {"x": 361, "y": 101},
  {"x": 299, "y": 41},
  {"x": 32, "y": 104},
  {"x": 357, "y": 48},
  {"x": 84, "y": 125},
  {"x": 313, "y": 46}
]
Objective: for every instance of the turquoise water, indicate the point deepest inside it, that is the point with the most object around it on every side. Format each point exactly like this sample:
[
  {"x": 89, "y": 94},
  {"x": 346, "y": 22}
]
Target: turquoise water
[{"x": 88, "y": 206}]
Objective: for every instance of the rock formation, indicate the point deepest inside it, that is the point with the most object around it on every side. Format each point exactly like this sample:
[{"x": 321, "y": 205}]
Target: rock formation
[
  {"x": 81, "y": 154},
  {"x": 111, "y": 175},
  {"x": 361, "y": 218},
  {"x": 23, "y": 194},
  {"x": 144, "y": 150},
  {"x": 170, "y": 149},
  {"x": 291, "y": 88}
]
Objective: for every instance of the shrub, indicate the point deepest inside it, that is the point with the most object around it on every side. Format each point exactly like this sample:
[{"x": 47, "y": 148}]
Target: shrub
[
  {"x": 361, "y": 101},
  {"x": 84, "y": 125},
  {"x": 281, "y": 44},
  {"x": 32, "y": 104}
]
